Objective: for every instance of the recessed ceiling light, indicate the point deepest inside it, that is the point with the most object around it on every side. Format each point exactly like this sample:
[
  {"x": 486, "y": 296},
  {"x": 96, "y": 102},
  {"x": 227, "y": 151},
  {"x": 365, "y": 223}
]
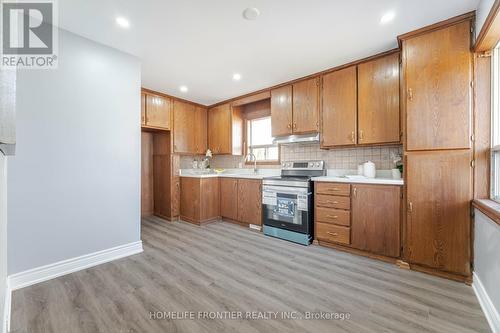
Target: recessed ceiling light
[
  {"x": 251, "y": 13},
  {"x": 183, "y": 89},
  {"x": 236, "y": 76},
  {"x": 122, "y": 22},
  {"x": 387, "y": 17}
]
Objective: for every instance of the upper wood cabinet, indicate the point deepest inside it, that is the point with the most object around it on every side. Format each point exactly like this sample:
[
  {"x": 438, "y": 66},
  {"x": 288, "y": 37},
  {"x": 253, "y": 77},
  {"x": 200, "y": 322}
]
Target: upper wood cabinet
[
  {"x": 306, "y": 106},
  {"x": 157, "y": 111},
  {"x": 376, "y": 219},
  {"x": 143, "y": 109},
  {"x": 339, "y": 108},
  {"x": 190, "y": 128},
  {"x": 295, "y": 108},
  {"x": 200, "y": 130},
  {"x": 437, "y": 71},
  {"x": 378, "y": 100},
  {"x": 281, "y": 111},
  {"x": 225, "y": 130},
  {"x": 439, "y": 190}
]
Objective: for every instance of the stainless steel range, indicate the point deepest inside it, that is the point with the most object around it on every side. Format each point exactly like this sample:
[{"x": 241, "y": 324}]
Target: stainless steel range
[{"x": 287, "y": 201}]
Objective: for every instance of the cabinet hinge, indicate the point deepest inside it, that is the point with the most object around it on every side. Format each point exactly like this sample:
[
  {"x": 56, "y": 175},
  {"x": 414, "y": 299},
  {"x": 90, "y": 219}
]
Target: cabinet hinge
[
  {"x": 472, "y": 138},
  {"x": 472, "y": 163},
  {"x": 472, "y": 84}
]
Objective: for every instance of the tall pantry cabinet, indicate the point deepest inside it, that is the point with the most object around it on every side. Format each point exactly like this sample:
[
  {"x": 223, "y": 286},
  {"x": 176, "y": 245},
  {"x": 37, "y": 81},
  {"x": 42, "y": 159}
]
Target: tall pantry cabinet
[{"x": 437, "y": 76}]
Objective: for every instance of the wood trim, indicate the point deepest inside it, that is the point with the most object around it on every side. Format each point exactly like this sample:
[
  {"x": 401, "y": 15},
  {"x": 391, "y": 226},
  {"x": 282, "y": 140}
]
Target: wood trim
[
  {"x": 493, "y": 17},
  {"x": 489, "y": 208},
  {"x": 310, "y": 76},
  {"x": 153, "y": 92},
  {"x": 450, "y": 276},
  {"x": 436, "y": 26},
  {"x": 243, "y": 224},
  {"x": 356, "y": 251},
  {"x": 202, "y": 222},
  {"x": 253, "y": 98}
]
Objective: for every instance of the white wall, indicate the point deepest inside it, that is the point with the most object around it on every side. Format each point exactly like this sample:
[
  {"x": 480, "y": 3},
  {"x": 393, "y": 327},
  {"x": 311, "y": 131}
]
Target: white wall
[
  {"x": 487, "y": 259},
  {"x": 3, "y": 236},
  {"x": 483, "y": 9},
  {"x": 74, "y": 183}
]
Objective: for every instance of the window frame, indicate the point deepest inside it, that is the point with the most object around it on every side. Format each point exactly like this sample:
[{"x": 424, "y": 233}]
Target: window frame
[
  {"x": 495, "y": 124},
  {"x": 247, "y": 146}
]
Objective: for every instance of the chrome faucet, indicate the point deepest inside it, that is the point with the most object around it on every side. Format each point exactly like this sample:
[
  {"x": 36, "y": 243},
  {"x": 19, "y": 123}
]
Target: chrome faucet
[{"x": 252, "y": 155}]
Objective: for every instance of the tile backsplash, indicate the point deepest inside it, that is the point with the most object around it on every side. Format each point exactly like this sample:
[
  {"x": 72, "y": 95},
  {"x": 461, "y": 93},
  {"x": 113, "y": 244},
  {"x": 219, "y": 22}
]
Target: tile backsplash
[{"x": 345, "y": 158}]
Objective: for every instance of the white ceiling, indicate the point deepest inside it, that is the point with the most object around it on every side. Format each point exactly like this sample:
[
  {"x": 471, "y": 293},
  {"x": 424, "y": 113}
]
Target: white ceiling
[{"x": 201, "y": 43}]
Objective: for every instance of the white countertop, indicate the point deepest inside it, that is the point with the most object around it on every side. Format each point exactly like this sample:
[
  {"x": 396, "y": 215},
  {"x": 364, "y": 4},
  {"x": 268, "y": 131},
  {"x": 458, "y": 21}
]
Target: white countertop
[
  {"x": 245, "y": 173},
  {"x": 383, "y": 177},
  {"x": 333, "y": 175}
]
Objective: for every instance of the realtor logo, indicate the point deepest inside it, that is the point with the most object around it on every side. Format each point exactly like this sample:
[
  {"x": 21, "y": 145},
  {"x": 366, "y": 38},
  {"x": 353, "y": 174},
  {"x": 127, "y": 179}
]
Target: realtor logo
[{"x": 29, "y": 34}]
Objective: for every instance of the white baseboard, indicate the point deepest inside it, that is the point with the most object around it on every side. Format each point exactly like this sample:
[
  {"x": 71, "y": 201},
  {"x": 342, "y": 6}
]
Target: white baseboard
[
  {"x": 6, "y": 309},
  {"x": 47, "y": 272},
  {"x": 489, "y": 309}
]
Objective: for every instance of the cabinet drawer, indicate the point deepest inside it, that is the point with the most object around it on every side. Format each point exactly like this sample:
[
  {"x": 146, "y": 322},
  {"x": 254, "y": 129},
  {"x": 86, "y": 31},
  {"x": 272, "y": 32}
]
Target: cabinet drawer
[
  {"x": 333, "y": 188},
  {"x": 333, "y": 233},
  {"x": 336, "y": 216},
  {"x": 333, "y": 201}
]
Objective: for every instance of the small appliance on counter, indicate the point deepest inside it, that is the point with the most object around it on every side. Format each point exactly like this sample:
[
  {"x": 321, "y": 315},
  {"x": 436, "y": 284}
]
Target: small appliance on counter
[{"x": 287, "y": 201}]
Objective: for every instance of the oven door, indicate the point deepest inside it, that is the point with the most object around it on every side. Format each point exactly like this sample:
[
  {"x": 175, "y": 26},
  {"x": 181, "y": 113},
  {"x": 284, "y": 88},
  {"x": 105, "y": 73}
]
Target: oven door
[{"x": 287, "y": 208}]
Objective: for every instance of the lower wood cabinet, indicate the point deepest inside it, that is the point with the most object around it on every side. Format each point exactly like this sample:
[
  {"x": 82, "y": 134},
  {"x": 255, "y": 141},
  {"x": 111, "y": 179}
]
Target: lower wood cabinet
[
  {"x": 360, "y": 216},
  {"x": 229, "y": 198},
  {"x": 241, "y": 200},
  {"x": 439, "y": 192},
  {"x": 199, "y": 199},
  {"x": 250, "y": 201},
  {"x": 376, "y": 219}
]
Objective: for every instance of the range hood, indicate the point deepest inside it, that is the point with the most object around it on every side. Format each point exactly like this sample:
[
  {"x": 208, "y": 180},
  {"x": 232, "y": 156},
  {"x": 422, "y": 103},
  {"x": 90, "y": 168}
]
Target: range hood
[{"x": 305, "y": 138}]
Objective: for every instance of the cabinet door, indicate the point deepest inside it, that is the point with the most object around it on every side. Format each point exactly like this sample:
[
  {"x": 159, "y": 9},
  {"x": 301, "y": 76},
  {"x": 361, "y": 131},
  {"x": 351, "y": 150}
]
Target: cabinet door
[
  {"x": 437, "y": 68},
  {"x": 229, "y": 198},
  {"x": 306, "y": 106},
  {"x": 190, "y": 205},
  {"x": 184, "y": 120},
  {"x": 220, "y": 129},
  {"x": 250, "y": 201},
  {"x": 158, "y": 111},
  {"x": 375, "y": 225},
  {"x": 281, "y": 111},
  {"x": 378, "y": 100},
  {"x": 200, "y": 130},
  {"x": 143, "y": 109},
  {"x": 438, "y": 212},
  {"x": 210, "y": 200},
  {"x": 339, "y": 108}
]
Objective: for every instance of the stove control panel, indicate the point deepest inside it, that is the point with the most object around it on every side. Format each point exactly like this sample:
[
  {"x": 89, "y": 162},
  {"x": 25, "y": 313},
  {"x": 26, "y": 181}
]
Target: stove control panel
[{"x": 303, "y": 165}]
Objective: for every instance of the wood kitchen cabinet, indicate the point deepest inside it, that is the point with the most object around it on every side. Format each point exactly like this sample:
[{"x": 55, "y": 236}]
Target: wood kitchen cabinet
[
  {"x": 199, "y": 199},
  {"x": 281, "y": 111},
  {"x": 339, "y": 108},
  {"x": 225, "y": 130},
  {"x": 376, "y": 219},
  {"x": 439, "y": 190},
  {"x": 378, "y": 100},
  {"x": 229, "y": 198},
  {"x": 306, "y": 106},
  {"x": 437, "y": 83},
  {"x": 250, "y": 201},
  {"x": 295, "y": 108},
  {"x": 190, "y": 128},
  {"x": 156, "y": 111}
]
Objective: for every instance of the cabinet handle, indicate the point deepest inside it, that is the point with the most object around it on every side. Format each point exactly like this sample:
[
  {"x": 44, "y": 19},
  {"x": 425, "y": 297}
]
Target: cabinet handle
[
  {"x": 334, "y": 234},
  {"x": 294, "y": 125},
  {"x": 361, "y": 135},
  {"x": 352, "y": 137},
  {"x": 332, "y": 216},
  {"x": 289, "y": 126},
  {"x": 410, "y": 94},
  {"x": 355, "y": 191},
  {"x": 410, "y": 207}
]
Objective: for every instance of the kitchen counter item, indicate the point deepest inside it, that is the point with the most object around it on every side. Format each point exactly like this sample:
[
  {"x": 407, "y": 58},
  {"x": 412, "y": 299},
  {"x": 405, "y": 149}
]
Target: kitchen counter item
[{"x": 369, "y": 169}]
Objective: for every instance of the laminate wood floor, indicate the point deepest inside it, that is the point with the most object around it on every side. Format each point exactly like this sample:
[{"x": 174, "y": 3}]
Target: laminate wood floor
[{"x": 232, "y": 272}]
